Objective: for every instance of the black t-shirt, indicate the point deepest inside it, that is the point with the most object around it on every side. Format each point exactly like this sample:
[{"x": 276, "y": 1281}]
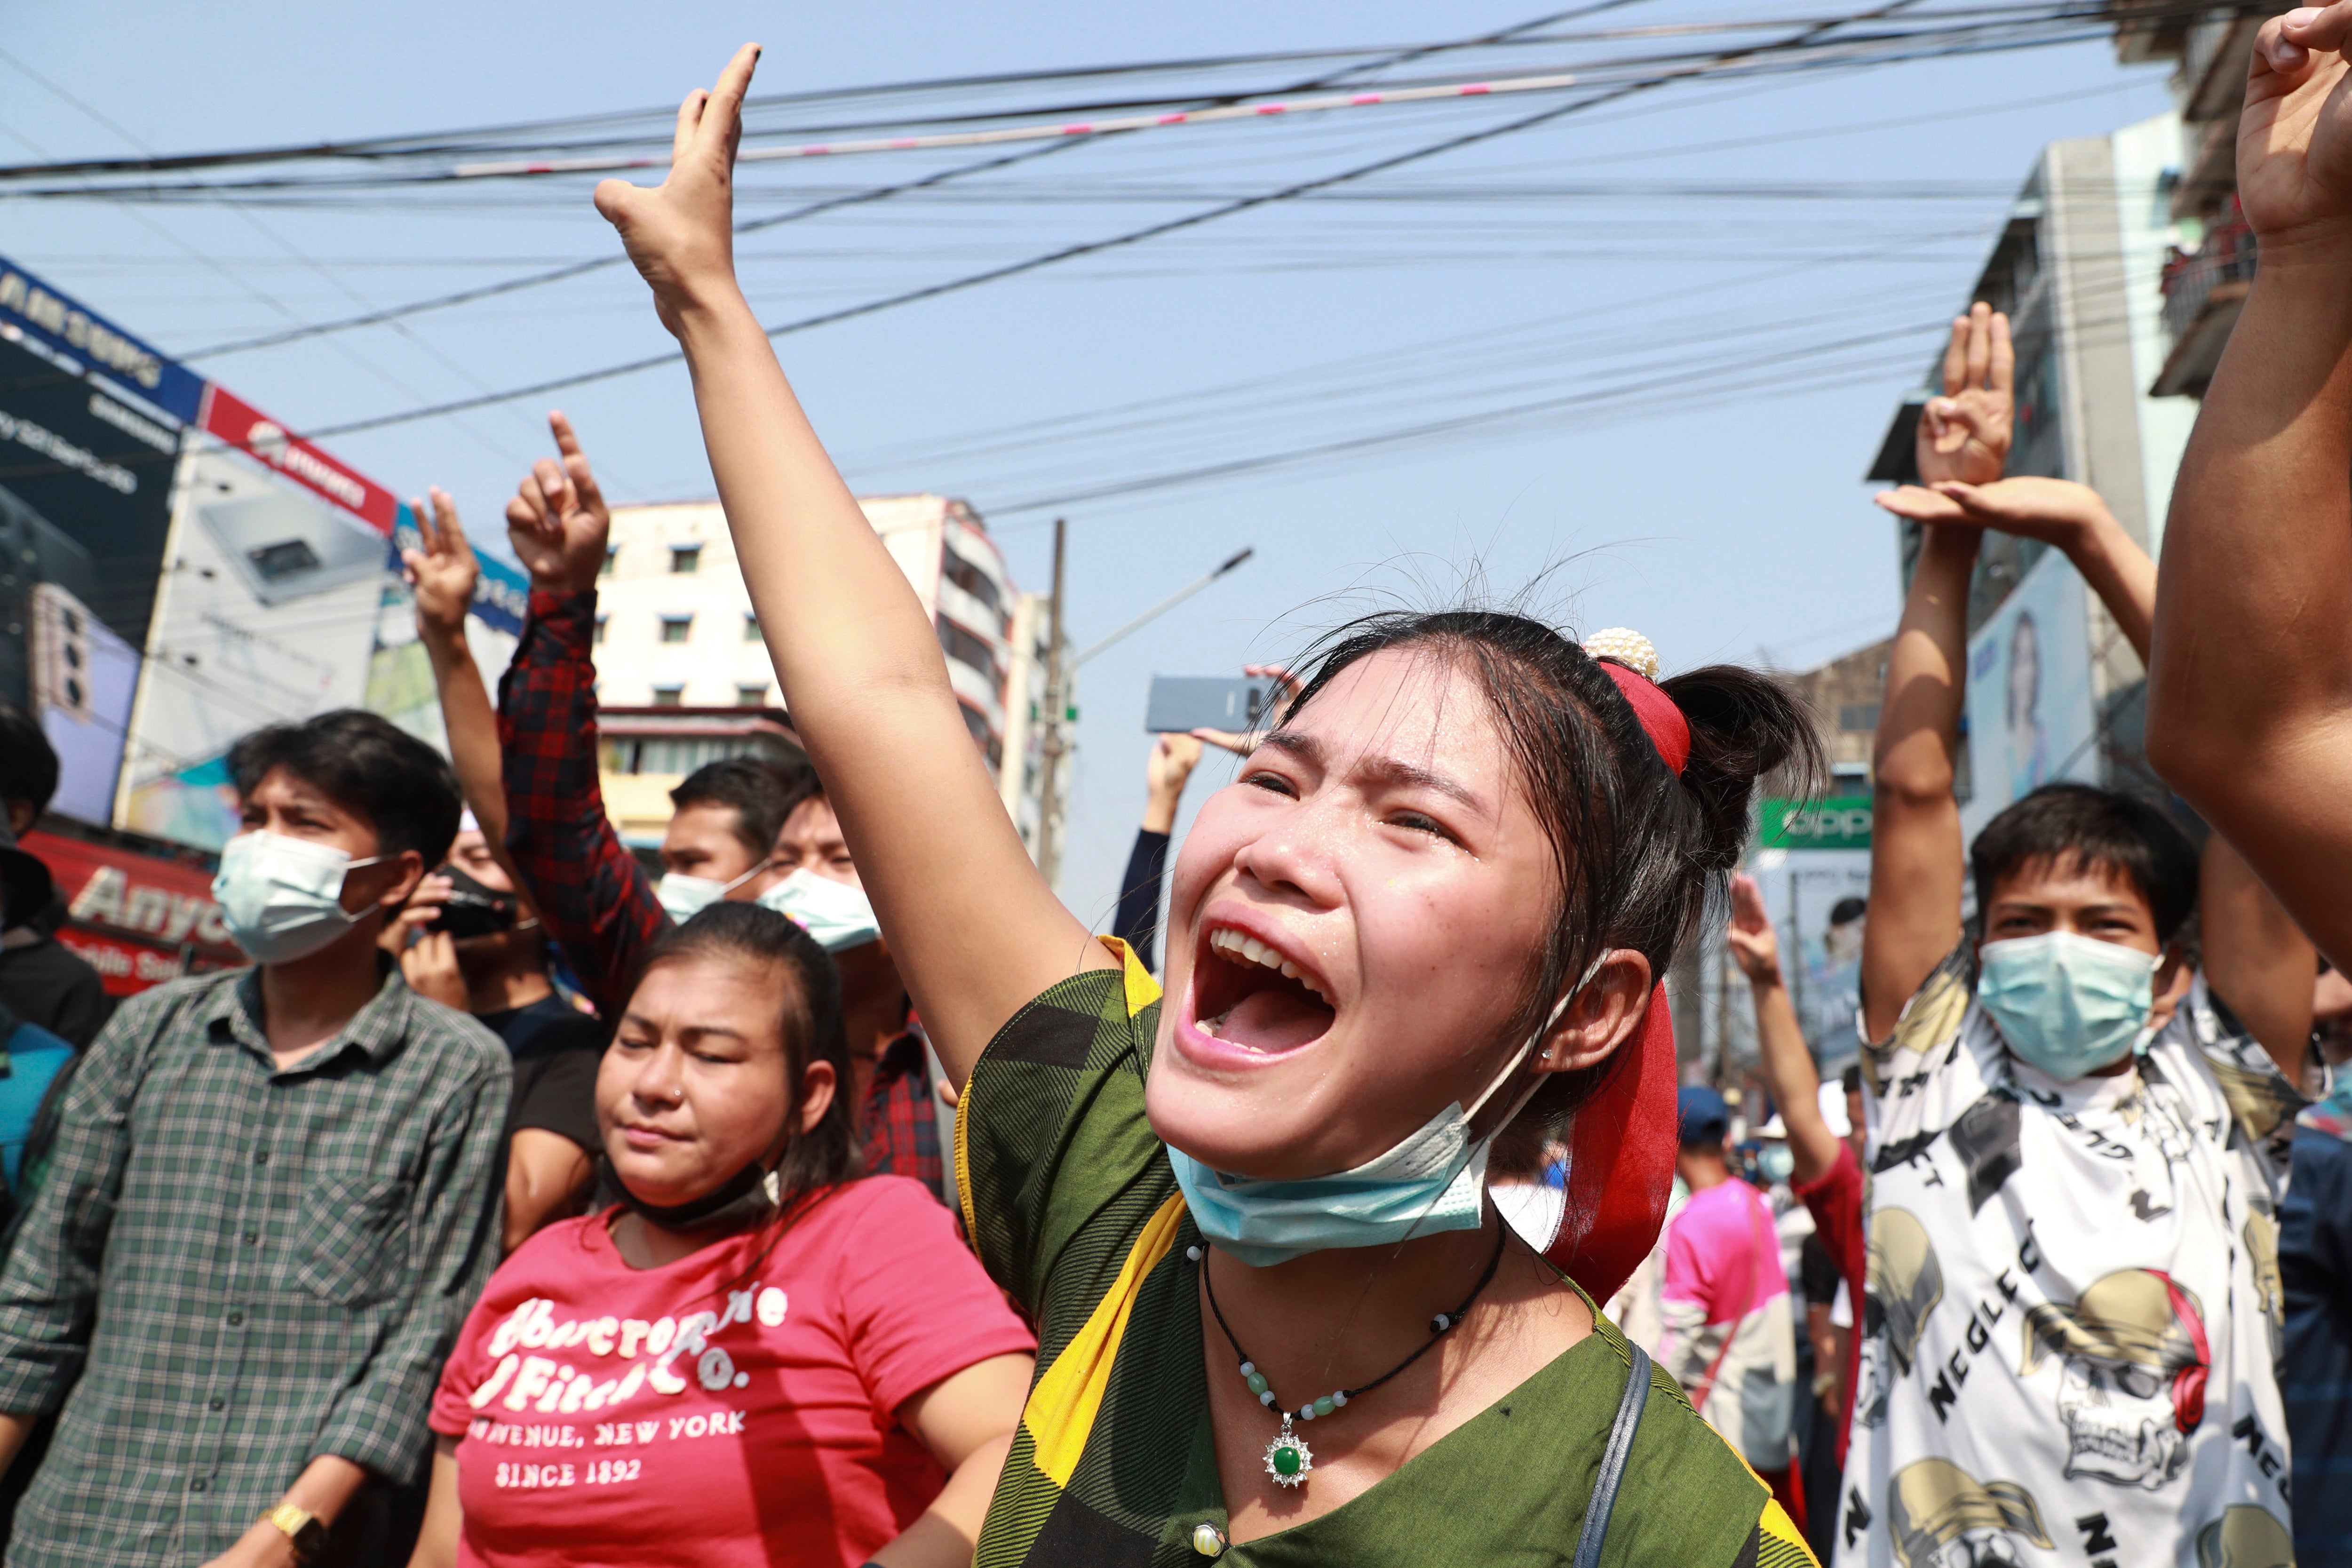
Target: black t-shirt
[
  {"x": 556, "y": 1051},
  {"x": 44, "y": 983}
]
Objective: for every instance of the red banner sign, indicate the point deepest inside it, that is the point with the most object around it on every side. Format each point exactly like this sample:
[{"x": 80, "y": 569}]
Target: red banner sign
[
  {"x": 242, "y": 425},
  {"x": 134, "y": 916}
]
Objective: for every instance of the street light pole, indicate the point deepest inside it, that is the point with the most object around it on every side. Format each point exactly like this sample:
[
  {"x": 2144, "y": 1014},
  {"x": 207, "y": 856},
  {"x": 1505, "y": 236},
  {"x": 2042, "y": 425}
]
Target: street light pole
[
  {"x": 1049, "y": 780},
  {"x": 1169, "y": 603}
]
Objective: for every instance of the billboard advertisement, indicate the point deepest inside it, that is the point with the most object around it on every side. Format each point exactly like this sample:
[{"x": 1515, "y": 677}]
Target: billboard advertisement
[
  {"x": 2031, "y": 715},
  {"x": 91, "y": 424},
  {"x": 139, "y": 919}
]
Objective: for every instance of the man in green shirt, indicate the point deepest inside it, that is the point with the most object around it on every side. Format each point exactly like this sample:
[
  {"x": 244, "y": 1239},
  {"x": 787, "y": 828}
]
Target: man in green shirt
[{"x": 269, "y": 1200}]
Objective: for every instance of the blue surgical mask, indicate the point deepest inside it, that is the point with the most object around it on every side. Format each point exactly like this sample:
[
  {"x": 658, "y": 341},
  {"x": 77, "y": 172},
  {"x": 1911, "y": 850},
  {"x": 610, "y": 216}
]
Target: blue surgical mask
[
  {"x": 682, "y": 897},
  {"x": 838, "y": 915},
  {"x": 1774, "y": 1163},
  {"x": 2067, "y": 1005},
  {"x": 1434, "y": 1181},
  {"x": 281, "y": 898}
]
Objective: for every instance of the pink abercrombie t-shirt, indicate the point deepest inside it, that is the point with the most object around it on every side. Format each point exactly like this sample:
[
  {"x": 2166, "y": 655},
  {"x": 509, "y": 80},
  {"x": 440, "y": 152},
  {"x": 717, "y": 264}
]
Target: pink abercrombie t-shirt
[{"x": 727, "y": 1408}]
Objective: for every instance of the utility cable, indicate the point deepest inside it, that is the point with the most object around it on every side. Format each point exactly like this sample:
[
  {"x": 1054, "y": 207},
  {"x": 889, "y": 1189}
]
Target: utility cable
[
  {"x": 1133, "y": 236},
  {"x": 834, "y": 203}
]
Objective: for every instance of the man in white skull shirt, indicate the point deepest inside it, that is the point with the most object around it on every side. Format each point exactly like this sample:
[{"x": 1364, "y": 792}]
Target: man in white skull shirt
[{"x": 2069, "y": 1320}]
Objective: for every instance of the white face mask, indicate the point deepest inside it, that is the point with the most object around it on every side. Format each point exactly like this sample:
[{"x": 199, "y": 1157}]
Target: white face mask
[
  {"x": 281, "y": 898},
  {"x": 838, "y": 915},
  {"x": 682, "y": 897}
]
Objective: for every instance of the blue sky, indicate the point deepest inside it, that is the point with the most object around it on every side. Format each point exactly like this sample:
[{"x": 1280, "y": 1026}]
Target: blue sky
[{"x": 1705, "y": 490}]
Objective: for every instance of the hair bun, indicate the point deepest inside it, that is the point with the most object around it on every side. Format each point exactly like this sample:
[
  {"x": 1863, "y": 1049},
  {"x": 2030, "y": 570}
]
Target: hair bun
[{"x": 1628, "y": 648}]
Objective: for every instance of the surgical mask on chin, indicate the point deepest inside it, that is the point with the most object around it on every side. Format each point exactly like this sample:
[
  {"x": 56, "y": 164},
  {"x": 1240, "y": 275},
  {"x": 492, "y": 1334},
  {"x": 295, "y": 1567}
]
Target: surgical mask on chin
[
  {"x": 682, "y": 897},
  {"x": 2068, "y": 1005},
  {"x": 1434, "y": 1181},
  {"x": 839, "y": 916},
  {"x": 281, "y": 898}
]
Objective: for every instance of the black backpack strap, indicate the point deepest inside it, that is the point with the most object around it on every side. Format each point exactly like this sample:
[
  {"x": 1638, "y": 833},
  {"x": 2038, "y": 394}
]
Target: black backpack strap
[{"x": 1612, "y": 1461}]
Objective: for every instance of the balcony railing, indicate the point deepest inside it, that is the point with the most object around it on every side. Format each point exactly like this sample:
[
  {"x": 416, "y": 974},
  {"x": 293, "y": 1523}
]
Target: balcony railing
[{"x": 2203, "y": 291}]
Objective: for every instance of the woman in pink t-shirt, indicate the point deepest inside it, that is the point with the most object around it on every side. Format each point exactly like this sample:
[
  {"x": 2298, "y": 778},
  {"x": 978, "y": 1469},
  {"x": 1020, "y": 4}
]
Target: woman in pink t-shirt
[{"x": 755, "y": 1358}]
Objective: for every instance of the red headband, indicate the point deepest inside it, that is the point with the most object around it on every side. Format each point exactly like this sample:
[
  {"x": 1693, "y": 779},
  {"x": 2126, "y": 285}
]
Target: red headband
[
  {"x": 1621, "y": 1169},
  {"x": 1661, "y": 719}
]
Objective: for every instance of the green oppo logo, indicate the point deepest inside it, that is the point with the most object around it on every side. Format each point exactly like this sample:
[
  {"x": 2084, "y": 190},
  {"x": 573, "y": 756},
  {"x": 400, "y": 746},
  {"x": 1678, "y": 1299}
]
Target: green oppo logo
[{"x": 1841, "y": 822}]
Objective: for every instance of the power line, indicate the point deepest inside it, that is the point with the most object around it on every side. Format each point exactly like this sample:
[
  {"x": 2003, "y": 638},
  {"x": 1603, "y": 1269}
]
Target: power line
[
  {"x": 834, "y": 204},
  {"x": 1133, "y": 236}
]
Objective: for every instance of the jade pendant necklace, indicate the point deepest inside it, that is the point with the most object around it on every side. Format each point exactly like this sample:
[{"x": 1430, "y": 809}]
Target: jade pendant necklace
[{"x": 1288, "y": 1457}]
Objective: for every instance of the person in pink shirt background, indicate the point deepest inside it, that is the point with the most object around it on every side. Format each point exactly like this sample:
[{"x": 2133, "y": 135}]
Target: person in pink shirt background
[{"x": 1729, "y": 1337}]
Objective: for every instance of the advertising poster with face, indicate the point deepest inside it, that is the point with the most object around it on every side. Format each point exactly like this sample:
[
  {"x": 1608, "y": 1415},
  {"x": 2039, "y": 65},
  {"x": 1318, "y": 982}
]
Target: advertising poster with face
[
  {"x": 91, "y": 424},
  {"x": 2031, "y": 715}
]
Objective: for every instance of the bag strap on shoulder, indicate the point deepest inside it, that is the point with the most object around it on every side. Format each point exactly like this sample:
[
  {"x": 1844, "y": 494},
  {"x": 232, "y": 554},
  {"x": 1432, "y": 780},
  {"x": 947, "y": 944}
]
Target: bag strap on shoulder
[{"x": 1595, "y": 1530}]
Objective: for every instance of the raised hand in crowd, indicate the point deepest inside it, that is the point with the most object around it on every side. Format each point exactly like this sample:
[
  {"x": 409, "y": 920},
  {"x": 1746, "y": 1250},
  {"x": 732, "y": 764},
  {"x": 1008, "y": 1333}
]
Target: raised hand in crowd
[
  {"x": 1965, "y": 433},
  {"x": 1917, "y": 868},
  {"x": 1788, "y": 1063},
  {"x": 1165, "y": 774},
  {"x": 2250, "y": 696},
  {"x": 557, "y": 521},
  {"x": 443, "y": 574},
  {"x": 2068, "y": 516}
]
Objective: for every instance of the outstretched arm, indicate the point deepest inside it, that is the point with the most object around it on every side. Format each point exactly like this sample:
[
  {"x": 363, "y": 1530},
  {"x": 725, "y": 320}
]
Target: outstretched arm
[
  {"x": 443, "y": 572},
  {"x": 975, "y": 930},
  {"x": 2250, "y": 696},
  {"x": 2255, "y": 957},
  {"x": 1917, "y": 865},
  {"x": 1173, "y": 757},
  {"x": 1788, "y": 1063}
]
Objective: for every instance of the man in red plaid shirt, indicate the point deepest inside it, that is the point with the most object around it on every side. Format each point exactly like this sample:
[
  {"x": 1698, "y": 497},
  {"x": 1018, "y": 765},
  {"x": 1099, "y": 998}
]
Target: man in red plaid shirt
[{"x": 594, "y": 899}]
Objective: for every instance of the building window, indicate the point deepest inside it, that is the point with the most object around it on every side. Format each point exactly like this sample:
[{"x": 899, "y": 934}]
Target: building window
[
  {"x": 1857, "y": 716},
  {"x": 750, "y": 696},
  {"x": 612, "y": 552},
  {"x": 968, "y": 649},
  {"x": 977, "y": 722},
  {"x": 971, "y": 579},
  {"x": 669, "y": 696},
  {"x": 684, "y": 558},
  {"x": 751, "y": 627},
  {"x": 600, "y": 629},
  {"x": 674, "y": 628}
]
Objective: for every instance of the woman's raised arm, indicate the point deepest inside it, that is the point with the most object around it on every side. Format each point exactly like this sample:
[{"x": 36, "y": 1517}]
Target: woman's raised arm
[{"x": 974, "y": 928}]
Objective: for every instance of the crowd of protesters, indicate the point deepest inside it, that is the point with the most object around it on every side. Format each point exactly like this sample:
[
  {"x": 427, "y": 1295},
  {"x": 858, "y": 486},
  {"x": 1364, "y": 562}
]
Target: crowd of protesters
[{"x": 835, "y": 1196}]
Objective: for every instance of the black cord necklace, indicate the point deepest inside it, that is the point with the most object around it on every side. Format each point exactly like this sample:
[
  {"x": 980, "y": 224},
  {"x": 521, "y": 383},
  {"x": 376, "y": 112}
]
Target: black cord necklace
[{"x": 1288, "y": 1457}]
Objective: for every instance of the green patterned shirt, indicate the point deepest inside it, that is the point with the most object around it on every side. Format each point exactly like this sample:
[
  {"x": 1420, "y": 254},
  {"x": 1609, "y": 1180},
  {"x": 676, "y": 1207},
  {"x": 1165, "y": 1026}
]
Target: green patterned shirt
[
  {"x": 230, "y": 1268},
  {"x": 1075, "y": 1210}
]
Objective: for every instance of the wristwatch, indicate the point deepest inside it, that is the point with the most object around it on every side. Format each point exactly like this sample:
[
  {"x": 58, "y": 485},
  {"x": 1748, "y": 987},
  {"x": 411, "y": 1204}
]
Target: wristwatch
[{"x": 306, "y": 1530}]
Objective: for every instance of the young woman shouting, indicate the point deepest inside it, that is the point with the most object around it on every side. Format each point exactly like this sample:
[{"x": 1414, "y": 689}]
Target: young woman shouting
[
  {"x": 754, "y": 1359},
  {"x": 1279, "y": 1321}
]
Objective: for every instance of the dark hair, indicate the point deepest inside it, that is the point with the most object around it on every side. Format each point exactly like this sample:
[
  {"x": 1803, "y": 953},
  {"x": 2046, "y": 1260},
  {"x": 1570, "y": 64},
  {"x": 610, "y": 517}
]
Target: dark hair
[
  {"x": 826, "y": 1155},
  {"x": 29, "y": 764},
  {"x": 364, "y": 763},
  {"x": 800, "y": 785},
  {"x": 754, "y": 788},
  {"x": 1851, "y": 1079},
  {"x": 1639, "y": 851},
  {"x": 1849, "y": 908},
  {"x": 2074, "y": 826}
]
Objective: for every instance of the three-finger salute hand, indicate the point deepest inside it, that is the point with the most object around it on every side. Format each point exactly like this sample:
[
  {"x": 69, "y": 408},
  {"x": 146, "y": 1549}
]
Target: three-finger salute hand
[
  {"x": 681, "y": 234},
  {"x": 1965, "y": 433},
  {"x": 1755, "y": 946},
  {"x": 2294, "y": 136},
  {"x": 442, "y": 571},
  {"x": 557, "y": 521}
]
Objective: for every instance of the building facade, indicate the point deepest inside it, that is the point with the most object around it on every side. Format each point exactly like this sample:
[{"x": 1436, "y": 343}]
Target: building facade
[
  {"x": 676, "y": 630},
  {"x": 2079, "y": 267}
]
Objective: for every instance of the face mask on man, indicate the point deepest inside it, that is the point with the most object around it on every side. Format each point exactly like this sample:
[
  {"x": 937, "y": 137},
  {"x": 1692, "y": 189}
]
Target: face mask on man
[
  {"x": 2069, "y": 1004},
  {"x": 838, "y": 915},
  {"x": 281, "y": 898},
  {"x": 682, "y": 897}
]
